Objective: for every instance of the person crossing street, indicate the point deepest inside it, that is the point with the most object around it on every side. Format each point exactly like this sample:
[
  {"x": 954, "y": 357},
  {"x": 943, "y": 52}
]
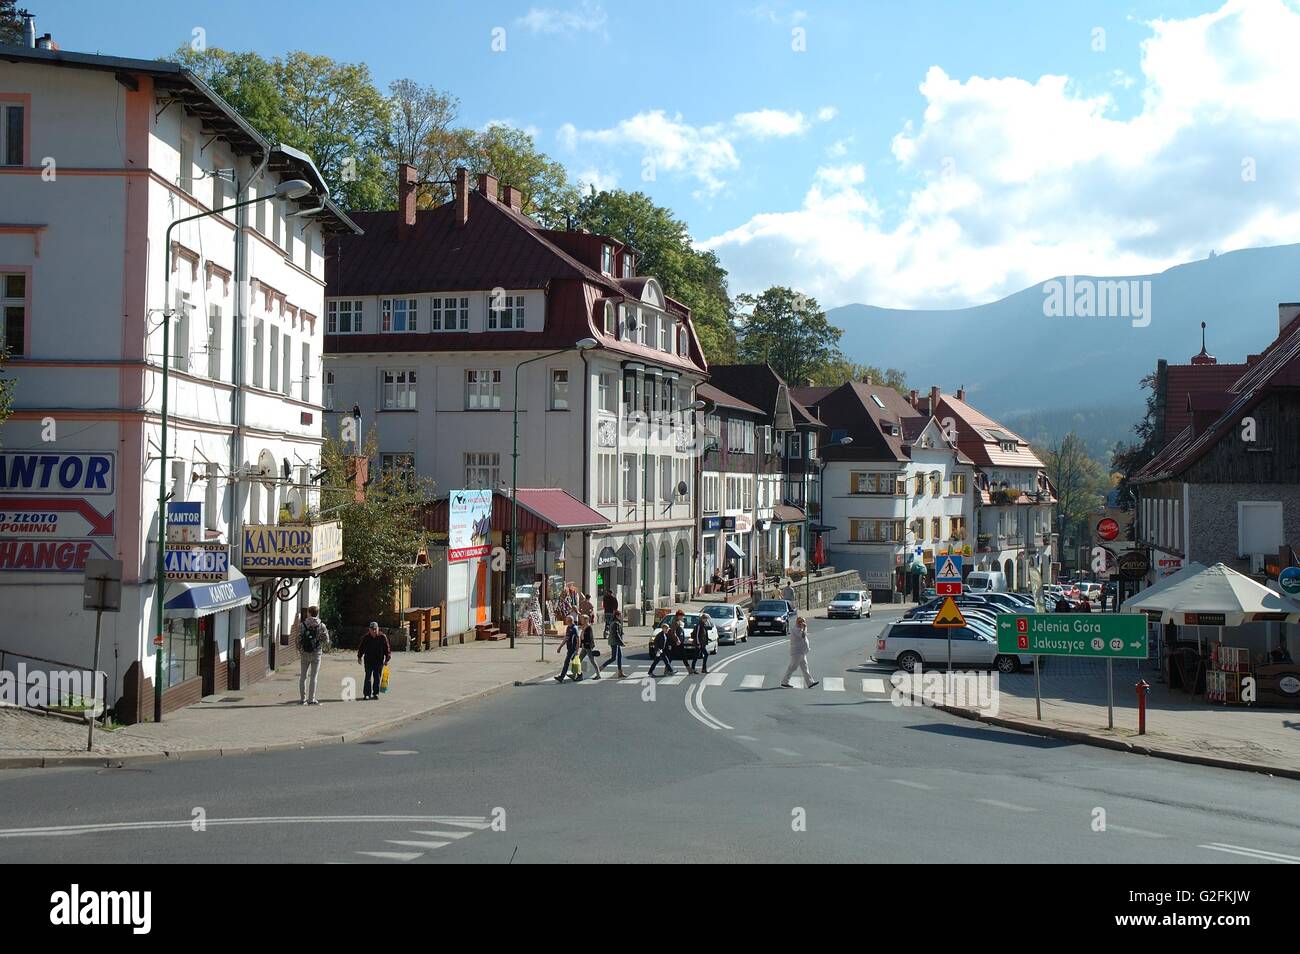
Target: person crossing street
[
  {"x": 614, "y": 636},
  {"x": 799, "y": 647},
  {"x": 588, "y": 652},
  {"x": 570, "y": 644}
]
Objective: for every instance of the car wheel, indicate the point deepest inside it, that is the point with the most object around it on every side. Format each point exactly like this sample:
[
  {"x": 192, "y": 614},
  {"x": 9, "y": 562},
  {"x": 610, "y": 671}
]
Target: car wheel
[
  {"x": 1007, "y": 664},
  {"x": 745, "y": 638},
  {"x": 909, "y": 661}
]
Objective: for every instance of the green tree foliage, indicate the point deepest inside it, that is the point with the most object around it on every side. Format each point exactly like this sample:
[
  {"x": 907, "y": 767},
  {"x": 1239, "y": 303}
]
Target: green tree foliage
[
  {"x": 7, "y": 386},
  {"x": 383, "y": 533},
  {"x": 789, "y": 331},
  {"x": 1081, "y": 482},
  {"x": 665, "y": 250},
  {"x": 840, "y": 370},
  {"x": 11, "y": 23}
]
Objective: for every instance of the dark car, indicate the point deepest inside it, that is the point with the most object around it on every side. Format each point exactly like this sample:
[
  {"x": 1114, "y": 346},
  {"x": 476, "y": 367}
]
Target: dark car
[
  {"x": 933, "y": 606},
  {"x": 772, "y": 616}
]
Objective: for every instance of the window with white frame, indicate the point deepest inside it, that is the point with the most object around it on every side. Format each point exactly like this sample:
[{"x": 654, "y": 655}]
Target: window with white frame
[
  {"x": 628, "y": 270},
  {"x": 609, "y": 324},
  {"x": 483, "y": 469},
  {"x": 214, "y": 341},
  {"x": 398, "y": 389},
  {"x": 506, "y": 313},
  {"x": 343, "y": 317},
  {"x": 275, "y": 358},
  {"x": 399, "y": 314},
  {"x": 306, "y": 371},
  {"x": 666, "y": 491},
  {"x": 259, "y": 339},
  {"x": 665, "y": 335},
  {"x": 683, "y": 341},
  {"x": 180, "y": 343},
  {"x": 186, "y": 177},
  {"x": 559, "y": 389},
  {"x": 449, "y": 313},
  {"x": 649, "y": 477},
  {"x": 606, "y": 479},
  {"x": 13, "y": 308},
  {"x": 398, "y": 465},
  {"x": 483, "y": 389},
  {"x": 327, "y": 395},
  {"x": 286, "y": 371},
  {"x": 767, "y": 439},
  {"x": 12, "y": 132},
  {"x": 607, "y": 259},
  {"x": 605, "y": 393},
  {"x": 709, "y": 489},
  {"x": 795, "y": 446},
  {"x": 630, "y": 489}
]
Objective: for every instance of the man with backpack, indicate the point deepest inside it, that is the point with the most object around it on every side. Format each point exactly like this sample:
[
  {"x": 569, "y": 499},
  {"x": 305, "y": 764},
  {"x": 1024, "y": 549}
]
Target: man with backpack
[
  {"x": 313, "y": 638},
  {"x": 373, "y": 653}
]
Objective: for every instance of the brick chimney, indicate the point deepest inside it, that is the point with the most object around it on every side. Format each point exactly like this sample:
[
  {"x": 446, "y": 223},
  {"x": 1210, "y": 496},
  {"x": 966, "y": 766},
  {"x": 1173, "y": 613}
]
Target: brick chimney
[
  {"x": 934, "y": 400},
  {"x": 514, "y": 199},
  {"x": 487, "y": 184},
  {"x": 405, "y": 200},
  {"x": 1287, "y": 312},
  {"x": 912, "y": 398},
  {"x": 961, "y": 393},
  {"x": 462, "y": 197}
]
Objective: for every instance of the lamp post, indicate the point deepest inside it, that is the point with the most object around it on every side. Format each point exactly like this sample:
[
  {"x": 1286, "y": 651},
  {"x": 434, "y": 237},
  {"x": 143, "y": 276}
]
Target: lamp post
[
  {"x": 586, "y": 344},
  {"x": 290, "y": 189}
]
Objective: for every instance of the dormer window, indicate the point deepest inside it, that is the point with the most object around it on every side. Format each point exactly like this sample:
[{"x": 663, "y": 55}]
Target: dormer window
[
  {"x": 628, "y": 270},
  {"x": 607, "y": 259},
  {"x": 609, "y": 324},
  {"x": 1009, "y": 446}
]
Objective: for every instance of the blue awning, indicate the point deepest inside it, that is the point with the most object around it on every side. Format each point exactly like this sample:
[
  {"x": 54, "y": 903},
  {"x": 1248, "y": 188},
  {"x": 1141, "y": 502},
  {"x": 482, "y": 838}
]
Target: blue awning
[{"x": 192, "y": 600}]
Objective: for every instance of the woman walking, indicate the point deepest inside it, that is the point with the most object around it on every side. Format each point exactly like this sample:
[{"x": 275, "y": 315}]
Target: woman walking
[
  {"x": 614, "y": 636},
  {"x": 588, "y": 648}
]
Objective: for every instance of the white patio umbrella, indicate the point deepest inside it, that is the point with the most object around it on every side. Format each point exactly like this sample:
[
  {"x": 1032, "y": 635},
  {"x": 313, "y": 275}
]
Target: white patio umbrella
[
  {"x": 1160, "y": 586},
  {"x": 1217, "y": 589}
]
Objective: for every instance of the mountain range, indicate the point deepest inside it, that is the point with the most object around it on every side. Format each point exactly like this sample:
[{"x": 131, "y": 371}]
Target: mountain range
[{"x": 1043, "y": 362}]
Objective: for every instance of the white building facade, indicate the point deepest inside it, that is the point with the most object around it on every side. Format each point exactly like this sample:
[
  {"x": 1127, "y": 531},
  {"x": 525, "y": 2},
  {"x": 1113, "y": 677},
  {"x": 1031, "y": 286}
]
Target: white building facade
[{"x": 112, "y": 152}]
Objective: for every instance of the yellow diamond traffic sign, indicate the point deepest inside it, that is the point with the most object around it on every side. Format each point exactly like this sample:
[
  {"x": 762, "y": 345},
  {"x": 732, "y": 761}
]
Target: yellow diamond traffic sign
[{"x": 949, "y": 615}]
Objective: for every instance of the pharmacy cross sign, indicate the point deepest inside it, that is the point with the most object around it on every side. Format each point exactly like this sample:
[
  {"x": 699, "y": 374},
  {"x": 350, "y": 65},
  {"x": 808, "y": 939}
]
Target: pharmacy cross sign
[{"x": 1074, "y": 634}]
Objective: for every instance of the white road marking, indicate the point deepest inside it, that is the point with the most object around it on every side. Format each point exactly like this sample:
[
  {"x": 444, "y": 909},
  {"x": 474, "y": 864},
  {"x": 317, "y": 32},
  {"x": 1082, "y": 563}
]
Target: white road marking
[
  {"x": 747, "y": 738},
  {"x": 833, "y": 684},
  {"x": 466, "y": 821},
  {"x": 393, "y": 855},
  {"x": 752, "y": 682},
  {"x": 695, "y": 695},
  {"x": 399, "y": 752},
  {"x": 796, "y": 682},
  {"x": 443, "y": 834},
  {"x": 1135, "y": 831},
  {"x": 418, "y": 844},
  {"x": 1005, "y": 805},
  {"x": 672, "y": 680},
  {"x": 789, "y": 752},
  {"x": 1257, "y": 853},
  {"x": 714, "y": 678},
  {"x": 920, "y": 785},
  {"x": 876, "y": 686}
]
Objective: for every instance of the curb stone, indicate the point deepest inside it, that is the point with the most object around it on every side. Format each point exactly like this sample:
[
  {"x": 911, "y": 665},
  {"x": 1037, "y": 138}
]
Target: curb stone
[{"x": 1119, "y": 745}]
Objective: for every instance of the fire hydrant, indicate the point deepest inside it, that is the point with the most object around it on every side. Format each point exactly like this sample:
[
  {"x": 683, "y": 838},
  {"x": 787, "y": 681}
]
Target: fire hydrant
[{"x": 1143, "y": 690}]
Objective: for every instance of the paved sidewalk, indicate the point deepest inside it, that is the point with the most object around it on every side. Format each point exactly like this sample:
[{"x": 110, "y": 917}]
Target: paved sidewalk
[
  {"x": 1179, "y": 726},
  {"x": 268, "y": 716}
]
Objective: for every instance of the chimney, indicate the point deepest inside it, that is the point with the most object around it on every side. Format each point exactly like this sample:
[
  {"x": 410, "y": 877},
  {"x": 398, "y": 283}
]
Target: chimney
[
  {"x": 405, "y": 200},
  {"x": 514, "y": 199},
  {"x": 961, "y": 393},
  {"x": 911, "y": 398},
  {"x": 1287, "y": 312},
  {"x": 934, "y": 400},
  {"x": 462, "y": 197},
  {"x": 487, "y": 184},
  {"x": 46, "y": 42},
  {"x": 29, "y": 31}
]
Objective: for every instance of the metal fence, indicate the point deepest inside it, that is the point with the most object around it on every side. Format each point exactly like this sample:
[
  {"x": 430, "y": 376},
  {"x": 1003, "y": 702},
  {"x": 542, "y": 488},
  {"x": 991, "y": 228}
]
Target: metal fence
[{"x": 51, "y": 684}]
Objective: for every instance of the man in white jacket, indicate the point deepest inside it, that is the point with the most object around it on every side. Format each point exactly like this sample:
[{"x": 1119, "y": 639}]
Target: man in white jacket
[{"x": 799, "y": 655}]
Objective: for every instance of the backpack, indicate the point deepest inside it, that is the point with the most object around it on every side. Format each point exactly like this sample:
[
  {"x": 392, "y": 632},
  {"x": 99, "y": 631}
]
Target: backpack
[{"x": 310, "y": 640}]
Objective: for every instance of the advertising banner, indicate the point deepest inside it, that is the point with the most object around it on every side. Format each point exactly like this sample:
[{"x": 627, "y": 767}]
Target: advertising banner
[
  {"x": 469, "y": 524},
  {"x": 56, "y": 509}
]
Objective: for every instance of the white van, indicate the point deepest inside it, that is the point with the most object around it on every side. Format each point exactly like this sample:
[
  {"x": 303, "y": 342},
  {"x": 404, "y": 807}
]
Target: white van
[{"x": 986, "y": 581}]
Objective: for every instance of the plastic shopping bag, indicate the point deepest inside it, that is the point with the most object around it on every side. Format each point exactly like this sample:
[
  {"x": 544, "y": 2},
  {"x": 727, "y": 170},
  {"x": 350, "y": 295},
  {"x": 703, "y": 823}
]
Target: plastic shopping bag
[
  {"x": 383, "y": 680},
  {"x": 575, "y": 667}
]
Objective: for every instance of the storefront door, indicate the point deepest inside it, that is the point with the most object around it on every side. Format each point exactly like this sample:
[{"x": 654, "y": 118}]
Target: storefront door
[{"x": 207, "y": 656}]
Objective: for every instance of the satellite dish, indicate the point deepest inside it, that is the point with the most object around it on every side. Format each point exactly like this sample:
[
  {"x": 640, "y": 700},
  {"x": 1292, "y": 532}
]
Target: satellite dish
[
  {"x": 295, "y": 502},
  {"x": 682, "y": 487},
  {"x": 631, "y": 321},
  {"x": 267, "y": 467}
]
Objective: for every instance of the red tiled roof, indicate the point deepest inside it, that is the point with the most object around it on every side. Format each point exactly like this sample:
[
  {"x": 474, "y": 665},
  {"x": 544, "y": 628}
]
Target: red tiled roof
[
  {"x": 1182, "y": 379},
  {"x": 976, "y": 438}
]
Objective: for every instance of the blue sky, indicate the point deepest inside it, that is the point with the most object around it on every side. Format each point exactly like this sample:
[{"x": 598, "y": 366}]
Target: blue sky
[{"x": 926, "y": 154}]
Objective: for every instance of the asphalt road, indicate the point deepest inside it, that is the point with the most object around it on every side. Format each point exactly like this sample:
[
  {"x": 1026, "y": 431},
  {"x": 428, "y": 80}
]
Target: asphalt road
[{"x": 620, "y": 772}]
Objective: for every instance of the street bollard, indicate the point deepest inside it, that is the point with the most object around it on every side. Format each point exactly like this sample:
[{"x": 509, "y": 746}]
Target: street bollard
[{"x": 1143, "y": 690}]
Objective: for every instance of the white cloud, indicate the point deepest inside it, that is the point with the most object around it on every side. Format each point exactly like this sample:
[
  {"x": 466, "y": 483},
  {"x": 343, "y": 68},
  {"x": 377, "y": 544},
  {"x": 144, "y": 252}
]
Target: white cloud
[
  {"x": 585, "y": 18},
  {"x": 593, "y": 178},
  {"x": 826, "y": 114},
  {"x": 1017, "y": 180},
  {"x": 778, "y": 13},
  {"x": 527, "y": 128},
  {"x": 669, "y": 144}
]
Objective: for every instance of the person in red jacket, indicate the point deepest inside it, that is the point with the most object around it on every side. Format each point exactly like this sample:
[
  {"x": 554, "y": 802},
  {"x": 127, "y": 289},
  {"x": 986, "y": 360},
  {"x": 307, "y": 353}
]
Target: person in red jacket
[{"x": 374, "y": 653}]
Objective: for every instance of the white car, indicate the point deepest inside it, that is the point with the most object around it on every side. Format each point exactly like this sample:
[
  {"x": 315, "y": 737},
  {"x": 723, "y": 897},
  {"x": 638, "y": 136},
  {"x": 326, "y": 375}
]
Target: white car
[
  {"x": 910, "y": 643},
  {"x": 731, "y": 623},
  {"x": 850, "y": 603}
]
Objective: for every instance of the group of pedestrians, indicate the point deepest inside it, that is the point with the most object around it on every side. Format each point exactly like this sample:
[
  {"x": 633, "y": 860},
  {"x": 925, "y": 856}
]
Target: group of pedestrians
[
  {"x": 312, "y": 639},
  {"x": 669, "y": 639}
]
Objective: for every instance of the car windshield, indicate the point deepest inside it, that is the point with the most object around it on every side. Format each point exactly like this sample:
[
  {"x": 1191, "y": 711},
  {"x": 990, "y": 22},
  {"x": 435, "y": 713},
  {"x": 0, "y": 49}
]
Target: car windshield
[
  {"x": 848, "y": 596},
  {"x": 770, "y": 606}
]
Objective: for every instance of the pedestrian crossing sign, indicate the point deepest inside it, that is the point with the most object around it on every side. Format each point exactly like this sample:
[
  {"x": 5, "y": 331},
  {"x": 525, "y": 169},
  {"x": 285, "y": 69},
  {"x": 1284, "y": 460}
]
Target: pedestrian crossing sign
[
  {"x": 949, "y": 615},
  {"x": 949, "y": 569}
]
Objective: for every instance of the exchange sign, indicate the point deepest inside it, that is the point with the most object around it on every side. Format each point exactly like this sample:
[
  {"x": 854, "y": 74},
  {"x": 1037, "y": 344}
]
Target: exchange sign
[{"x": 1074, "y": 634}]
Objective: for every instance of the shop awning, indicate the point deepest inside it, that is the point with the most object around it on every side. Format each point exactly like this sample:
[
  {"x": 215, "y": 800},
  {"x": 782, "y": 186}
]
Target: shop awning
[
  {"x": 735, "y": 550},
  {"x": 541, "y": 510},
  {"x": 193, "y": 600},
  {"x": 784, "y": 513}
]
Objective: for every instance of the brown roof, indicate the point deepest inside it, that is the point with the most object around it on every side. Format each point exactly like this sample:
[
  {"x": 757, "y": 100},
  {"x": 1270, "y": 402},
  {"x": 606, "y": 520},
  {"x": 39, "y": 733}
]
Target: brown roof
[
  {"x": 707, "y": 392},
  {"x": 851, "y": 408},
  {"x": 977, "y": 436},
  {"x": 810, "y": 395},
  {"x": 1278, "y": 367},
  {"x": 759, "y": 384},
  {"x": 1183, "y": 379}
]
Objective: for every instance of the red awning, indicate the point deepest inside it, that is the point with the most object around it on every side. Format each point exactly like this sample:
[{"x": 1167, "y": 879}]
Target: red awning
[{"x": 541, "y": 510}]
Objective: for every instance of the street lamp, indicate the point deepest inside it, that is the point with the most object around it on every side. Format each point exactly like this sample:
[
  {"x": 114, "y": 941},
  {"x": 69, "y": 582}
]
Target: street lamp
[
  {"x": 586, "y": 344},
  {"x": 821, "y": 512},
  {"x": 290, "y": 189}
]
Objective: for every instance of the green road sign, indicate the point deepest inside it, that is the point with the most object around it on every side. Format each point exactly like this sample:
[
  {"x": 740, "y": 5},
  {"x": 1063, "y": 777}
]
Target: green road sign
[{"x": 1074, "y": 634}]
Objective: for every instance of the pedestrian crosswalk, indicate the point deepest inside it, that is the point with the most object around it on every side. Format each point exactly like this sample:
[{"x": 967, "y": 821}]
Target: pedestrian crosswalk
[
  {"x": 452, "y": 829},
  {"x": 876, "y": 688}
]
